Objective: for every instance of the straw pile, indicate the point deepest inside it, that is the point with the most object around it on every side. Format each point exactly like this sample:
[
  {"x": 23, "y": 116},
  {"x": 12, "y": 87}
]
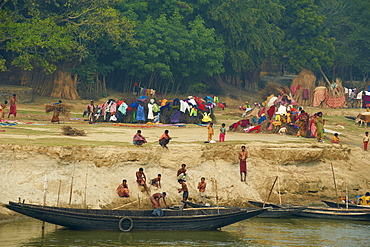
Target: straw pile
[
  {"x": 304, "y": 81},
  {"x": 62, "y": 109},
  {"x": 68, "y": 130}
]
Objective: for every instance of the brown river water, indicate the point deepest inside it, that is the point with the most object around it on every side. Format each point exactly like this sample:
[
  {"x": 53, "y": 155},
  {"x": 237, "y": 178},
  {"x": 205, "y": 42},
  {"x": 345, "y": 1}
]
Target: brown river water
[{"x": 251, "y": 232}]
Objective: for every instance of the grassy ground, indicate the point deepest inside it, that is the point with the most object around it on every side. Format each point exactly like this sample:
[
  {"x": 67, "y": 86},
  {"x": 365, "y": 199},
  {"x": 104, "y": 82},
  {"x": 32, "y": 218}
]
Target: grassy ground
[{"x": 40, "y": 131}]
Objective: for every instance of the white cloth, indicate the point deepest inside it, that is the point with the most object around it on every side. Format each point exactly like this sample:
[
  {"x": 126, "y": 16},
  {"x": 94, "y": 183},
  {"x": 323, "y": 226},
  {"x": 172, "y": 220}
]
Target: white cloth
[
  {"x": 271, "y": 102},
  {"x": 192, "y": 101},
  {"x": 150, "y": 111},
  {"x": 282, "y": 110},
  {"x": 359, "y": 95},
  {"x": 184, "y": 106}
]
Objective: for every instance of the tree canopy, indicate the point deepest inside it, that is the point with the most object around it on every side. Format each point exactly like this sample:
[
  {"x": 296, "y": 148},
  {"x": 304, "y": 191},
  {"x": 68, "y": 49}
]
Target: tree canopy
[{"x": 174, "y": 46}]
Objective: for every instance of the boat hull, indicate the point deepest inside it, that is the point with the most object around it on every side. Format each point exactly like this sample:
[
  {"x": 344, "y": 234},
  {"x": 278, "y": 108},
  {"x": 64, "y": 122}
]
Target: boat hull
[
  {"x": 270, "y": 213},
  {"x": 344, "y": 205},
  {"x": 134, "y": 220},
  {"x": 335, "y": 213}
]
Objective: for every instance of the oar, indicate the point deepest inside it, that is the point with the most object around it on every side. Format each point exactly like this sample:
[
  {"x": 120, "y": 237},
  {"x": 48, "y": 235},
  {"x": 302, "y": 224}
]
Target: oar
[
  {"x": 272, "y": 187},
  {"x": 87, "y": 170},
  {"x": 335, "y": 184}
]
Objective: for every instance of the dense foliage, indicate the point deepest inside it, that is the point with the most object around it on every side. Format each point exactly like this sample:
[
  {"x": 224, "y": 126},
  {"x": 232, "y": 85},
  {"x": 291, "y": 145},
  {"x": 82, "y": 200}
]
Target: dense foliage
[{"x": 180, "y": 46}]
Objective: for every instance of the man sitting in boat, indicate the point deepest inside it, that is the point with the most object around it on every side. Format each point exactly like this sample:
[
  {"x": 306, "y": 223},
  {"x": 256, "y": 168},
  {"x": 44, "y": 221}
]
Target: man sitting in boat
[
  {"x": 365, "y": 200},
  {"x": 123, "y": 190},
  {"x": 155, "y": 199}
]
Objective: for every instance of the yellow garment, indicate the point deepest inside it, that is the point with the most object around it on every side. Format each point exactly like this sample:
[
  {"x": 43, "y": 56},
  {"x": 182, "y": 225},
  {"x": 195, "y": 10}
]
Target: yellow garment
[
  {"x": 194, "y": 112},
  {"x": 288, "y": 119},
  {"x": 335, "y": 138},
  {"x": 206, "y": 118},
  {"x": 264, "y": 103},
  {"x": 365, "y": 200}
]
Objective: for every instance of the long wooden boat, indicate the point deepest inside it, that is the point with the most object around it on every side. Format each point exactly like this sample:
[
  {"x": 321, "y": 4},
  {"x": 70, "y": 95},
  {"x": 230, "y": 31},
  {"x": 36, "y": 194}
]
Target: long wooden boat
[
  {"x": 343, "y": 205},
  {"x": 270, "y": 213},
  {"x": 136, "y": 220},
  {"x": 335, "y": 213}
]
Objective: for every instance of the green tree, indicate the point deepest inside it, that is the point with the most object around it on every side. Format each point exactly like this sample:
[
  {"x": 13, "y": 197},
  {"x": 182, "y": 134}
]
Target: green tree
[
  {"x": 250, "y": 33},
  {"x": 306, "y": 43}
]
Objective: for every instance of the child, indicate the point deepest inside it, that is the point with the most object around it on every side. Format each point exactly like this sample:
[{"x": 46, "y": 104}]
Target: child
[
  {"x": 184, "y": 189},
  {"x": 123, "y": 190},
  {"x": 2, "y": 109},
  {"x": 335, "y": 138},
  {"x": 211, "y": 131},
  {"x": 202, "y": 188},
  {"x": 156, "y": 182},
  {"x": 366, "y": 140},
  {"x": 222, "y": 133}
]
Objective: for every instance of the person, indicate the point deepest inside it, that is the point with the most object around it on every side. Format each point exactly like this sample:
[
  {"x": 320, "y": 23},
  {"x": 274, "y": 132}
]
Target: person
[
  {"x": 202, "y": 189},
  {"x": 156, "y": 182},
  {"x": 56, "y": 112},
  {"x": 155, "y": 199},
  {"x": 2, "y": 109},
  {"x": 303, "y": 124},
  {"x": 211, "y": 132},
  {"x": 222, "y": 133},
  {"x": 365, "y": 140},
  {"x": 164, "y": 139},
  {"x": 123, "y": 190},
  {"x": 184, "y": 188},
  {"x": 141, "y": 179},
  {"x": 335, "y": 138},
  {"x": 181, "y": 173},
  {"x": 365, "y": 200},
  {"x": 243, "y": 155},
  {"x": 13, "y": 106},
  {"x": 138, "y": 139},
  {"x": 90, "y": 111},
  {"x": 319, "y": 122}
]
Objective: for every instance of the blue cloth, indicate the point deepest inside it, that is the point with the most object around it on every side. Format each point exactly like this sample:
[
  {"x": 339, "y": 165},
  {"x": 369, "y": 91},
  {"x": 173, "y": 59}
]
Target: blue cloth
[
  {"x": 175, "y": 118},
  {"x": 263, "y": 118},
  {"x": 158, "y": 212},
  {"x": 140, "y": 115}
]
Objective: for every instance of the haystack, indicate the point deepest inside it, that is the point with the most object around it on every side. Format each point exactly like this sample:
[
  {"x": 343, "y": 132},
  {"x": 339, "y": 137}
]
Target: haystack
[
  {"x": 335, "y": 97},
  {"x": 62, "y": 109},
  {"x": 303, "y": 87}
]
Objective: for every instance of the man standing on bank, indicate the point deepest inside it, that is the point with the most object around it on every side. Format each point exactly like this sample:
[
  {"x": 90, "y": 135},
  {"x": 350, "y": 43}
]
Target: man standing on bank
[{"x": 243, "y": 155}]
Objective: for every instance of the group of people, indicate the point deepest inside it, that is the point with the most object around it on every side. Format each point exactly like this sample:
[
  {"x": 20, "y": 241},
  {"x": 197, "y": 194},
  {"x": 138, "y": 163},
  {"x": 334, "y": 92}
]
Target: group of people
[
  {"x": 143, "y": 110},
  {"x": 139, "y": 139},
  {"x": 13, "y": 107},
  {"x": 123, "y": 190}
]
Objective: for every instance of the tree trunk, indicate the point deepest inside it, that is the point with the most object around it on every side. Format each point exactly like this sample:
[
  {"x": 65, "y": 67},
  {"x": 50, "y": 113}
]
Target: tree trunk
[
  {"x": 64, "y": 86},
  {"x": 60, "y": 84}
]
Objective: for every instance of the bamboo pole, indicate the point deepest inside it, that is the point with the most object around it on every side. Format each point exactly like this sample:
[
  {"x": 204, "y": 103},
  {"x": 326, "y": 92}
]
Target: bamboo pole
[
  {"x": 71, "y": 190},
  {"x": 218, "y": 208},
  {"x": 85, "y": 199},
  {"x": 272, "y": 187},
  {"x": 277, "y": 174},
  {"x": 60, "y": 183},
  {"x": 125, "y": 205},
  {"x": 335, "y": 184},
  {"x": 45, "y": 188}
]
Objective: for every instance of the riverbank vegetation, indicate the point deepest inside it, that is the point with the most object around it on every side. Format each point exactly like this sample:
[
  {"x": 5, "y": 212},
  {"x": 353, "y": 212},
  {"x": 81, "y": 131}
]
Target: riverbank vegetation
[{"x": 72, "y": 49}]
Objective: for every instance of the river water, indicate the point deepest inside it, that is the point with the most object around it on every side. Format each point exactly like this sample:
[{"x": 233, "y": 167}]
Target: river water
[{"x": 251, "y": 232}]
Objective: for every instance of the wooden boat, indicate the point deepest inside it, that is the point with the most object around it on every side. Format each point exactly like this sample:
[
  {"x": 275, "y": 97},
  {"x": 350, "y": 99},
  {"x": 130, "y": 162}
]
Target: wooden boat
[
  {"x": 136, "y": 220},
  {"x": 270, "y": 213},
  {"x": 335, "y": 213},
  {"x": 343, "y": 205}
]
